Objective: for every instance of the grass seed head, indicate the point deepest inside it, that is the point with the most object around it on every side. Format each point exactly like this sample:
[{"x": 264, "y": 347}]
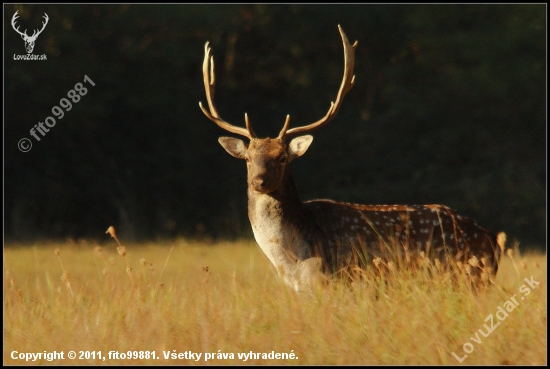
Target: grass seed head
[
  {"x": 111, "y": 231},
  {"x": 121, "y": 250},
  {"x": 206, "y": 275},
  {"x": 523, "y": 264},
  {"x": 473, "y": 261},
  {"x": 501, "y": 240}
]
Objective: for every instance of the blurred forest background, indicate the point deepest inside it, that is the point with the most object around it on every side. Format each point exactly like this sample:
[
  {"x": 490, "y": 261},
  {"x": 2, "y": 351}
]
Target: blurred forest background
[{"x": 449, "y": 106}]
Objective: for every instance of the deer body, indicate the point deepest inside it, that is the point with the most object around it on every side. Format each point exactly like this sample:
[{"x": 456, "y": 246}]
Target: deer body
[{"x": 306, "y": 239}]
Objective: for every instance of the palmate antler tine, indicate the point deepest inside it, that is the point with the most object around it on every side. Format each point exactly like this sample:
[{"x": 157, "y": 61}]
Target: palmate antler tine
[
  {"x": 347, "y": 84},
  {"x": 209, "y": 86}
]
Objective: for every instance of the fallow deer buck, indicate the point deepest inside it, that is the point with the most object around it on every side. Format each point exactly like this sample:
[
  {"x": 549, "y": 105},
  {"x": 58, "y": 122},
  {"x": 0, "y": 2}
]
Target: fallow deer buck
[{"x": 302, "y": 239}]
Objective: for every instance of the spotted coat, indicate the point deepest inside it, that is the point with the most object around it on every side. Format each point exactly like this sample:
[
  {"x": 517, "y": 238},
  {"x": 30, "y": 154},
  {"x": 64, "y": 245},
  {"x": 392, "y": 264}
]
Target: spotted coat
[{"x": 388, "y": 231}]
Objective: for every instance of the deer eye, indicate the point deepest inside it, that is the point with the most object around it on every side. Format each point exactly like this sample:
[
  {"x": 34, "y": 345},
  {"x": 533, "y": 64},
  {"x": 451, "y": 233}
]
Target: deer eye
[{"x": 282, "y": 159}]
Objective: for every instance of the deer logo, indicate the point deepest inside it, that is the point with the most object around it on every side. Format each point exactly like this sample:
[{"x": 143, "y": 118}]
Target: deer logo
[
  {"x": 304, "y": 238},
  {"x": 29, "y": 40}
]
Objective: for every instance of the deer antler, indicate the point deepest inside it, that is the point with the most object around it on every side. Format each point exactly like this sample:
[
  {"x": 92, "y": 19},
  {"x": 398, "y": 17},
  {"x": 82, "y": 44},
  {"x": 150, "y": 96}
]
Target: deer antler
[
  {"x": 347, "y": 84},
  {"x": 24, "y": 34},
  {"x": 43, "y": 26},
  {"x": 209, "y": 85},
  {"x": 13, "y": 19}
]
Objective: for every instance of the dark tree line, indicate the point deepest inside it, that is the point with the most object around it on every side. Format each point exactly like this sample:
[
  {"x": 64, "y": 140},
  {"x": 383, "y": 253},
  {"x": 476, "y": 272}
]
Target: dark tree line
[{"x": 449, "y": 106}]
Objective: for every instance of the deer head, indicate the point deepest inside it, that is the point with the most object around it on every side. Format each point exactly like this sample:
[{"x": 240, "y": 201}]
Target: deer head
[
  {"x": 268, "y": 158},
  {"x": 29, "y": 40}
]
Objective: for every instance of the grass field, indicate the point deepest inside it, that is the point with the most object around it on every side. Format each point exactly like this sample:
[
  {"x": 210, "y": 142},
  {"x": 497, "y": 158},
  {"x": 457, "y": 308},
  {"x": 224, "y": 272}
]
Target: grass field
[{"x": 224, "y": 302}]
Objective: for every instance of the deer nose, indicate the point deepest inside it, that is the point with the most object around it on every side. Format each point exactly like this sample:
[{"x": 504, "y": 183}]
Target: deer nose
[{"x": 259, "y": 184}]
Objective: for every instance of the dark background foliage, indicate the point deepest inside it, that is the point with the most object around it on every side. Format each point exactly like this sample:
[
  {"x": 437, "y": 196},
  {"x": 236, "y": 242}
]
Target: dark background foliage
[{"x": 449, "y": 106}]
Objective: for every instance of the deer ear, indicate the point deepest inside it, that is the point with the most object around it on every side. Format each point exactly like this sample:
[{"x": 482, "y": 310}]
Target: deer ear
[
  {"x": 234, "y": 146},
  {"x": 298, "y": 146}
]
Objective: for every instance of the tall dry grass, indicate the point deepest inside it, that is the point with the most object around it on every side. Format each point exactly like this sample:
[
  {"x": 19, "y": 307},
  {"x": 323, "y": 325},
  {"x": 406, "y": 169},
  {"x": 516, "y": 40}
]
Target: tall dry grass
[{"x": 181, "y": 296}]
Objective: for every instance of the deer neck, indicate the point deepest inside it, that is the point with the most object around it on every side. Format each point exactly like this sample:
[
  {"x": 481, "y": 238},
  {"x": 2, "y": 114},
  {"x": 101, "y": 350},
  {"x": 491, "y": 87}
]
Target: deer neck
[{"x": 276, "y": 220}]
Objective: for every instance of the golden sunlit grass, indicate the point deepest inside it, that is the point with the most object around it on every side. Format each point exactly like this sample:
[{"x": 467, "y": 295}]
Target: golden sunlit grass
[{"x": 181, "y": 296}]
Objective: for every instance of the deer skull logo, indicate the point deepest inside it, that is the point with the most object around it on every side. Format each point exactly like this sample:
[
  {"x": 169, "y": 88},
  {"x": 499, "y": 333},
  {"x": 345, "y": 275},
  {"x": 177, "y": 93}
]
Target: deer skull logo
[{"x": 29, "y": 40}]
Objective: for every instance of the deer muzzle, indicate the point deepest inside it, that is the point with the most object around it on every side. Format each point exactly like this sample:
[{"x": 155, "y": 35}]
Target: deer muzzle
[{"x": 260, "y": 184}]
